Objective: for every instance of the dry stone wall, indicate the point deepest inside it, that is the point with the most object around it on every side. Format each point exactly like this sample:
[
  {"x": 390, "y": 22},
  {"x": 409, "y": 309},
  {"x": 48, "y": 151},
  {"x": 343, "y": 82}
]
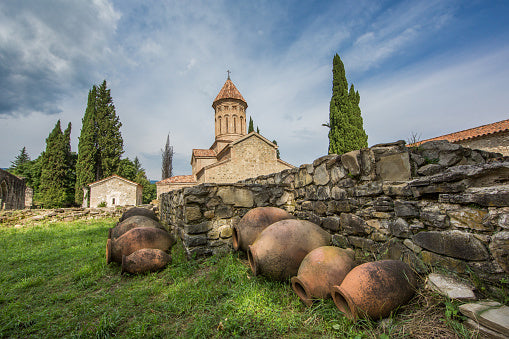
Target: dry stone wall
[{"x": 438, "y": 205}]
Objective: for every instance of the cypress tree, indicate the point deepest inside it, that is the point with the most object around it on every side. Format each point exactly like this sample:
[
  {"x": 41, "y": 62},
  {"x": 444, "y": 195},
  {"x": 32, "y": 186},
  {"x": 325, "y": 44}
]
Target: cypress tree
[
  {"x": 251, "y": 126},
  {"x": 167, "y": 160},
  {"x": 109, "y": 139},
  {"x": 55, "y": 186},
  {"x": 87, "y": 164},
  {"x": 345, "y": 122}
]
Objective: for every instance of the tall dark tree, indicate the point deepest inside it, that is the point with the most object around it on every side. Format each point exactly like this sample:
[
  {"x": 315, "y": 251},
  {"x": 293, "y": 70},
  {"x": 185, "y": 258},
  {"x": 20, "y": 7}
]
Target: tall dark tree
[
  {"x": 100, "y": 143},
  {"x": 251, "y": 126},
  {"x": 86, "y": 167},
  {"x": 278, "y": 155},
  {"x": 167, "y": 160},
  {"x": 109, "y": 140},
  {"x": 56, "y": 169},
  {"x": 345, "y": 122}
]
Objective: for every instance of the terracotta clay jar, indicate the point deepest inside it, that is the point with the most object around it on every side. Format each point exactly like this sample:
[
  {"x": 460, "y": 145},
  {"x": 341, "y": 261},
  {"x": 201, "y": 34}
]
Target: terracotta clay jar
[
  {"x": 138, "y": 211},
  {"x": 133, "y": 222},
  {"x": 374, "y": 289},
  {"x": 255, "y": 221},
  {"x": 145, "y": 260},
  {"x": 279, "y": 249},
  {"x": 136, "y": 239},
  {"x": 322, "y": 268}
]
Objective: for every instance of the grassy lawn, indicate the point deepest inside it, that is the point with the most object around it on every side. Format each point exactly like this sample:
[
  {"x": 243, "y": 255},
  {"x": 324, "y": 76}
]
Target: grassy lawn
[{"x": 54, "y": 282}]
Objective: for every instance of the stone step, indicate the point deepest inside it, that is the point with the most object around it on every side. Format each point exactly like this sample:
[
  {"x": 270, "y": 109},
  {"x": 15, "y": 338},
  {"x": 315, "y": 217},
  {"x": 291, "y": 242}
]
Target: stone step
[{"x": 491, "y": 314}]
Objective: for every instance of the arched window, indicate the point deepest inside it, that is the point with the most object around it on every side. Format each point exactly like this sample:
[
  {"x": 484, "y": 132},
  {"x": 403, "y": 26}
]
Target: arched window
[
  {"x": 226, "y": 124},
  {"x": 220, "y": 126},
  {"x": 234, "y": 124},
  {"x": 241, "y": 124}
]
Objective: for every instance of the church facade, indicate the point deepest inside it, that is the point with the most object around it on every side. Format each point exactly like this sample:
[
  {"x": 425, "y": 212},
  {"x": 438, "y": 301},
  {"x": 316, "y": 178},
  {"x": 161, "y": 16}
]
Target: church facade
[{"x": 234, "y": 155}]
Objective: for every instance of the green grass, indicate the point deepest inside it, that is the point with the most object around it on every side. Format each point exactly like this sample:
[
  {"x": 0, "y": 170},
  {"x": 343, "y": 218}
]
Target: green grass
[{"x": 54, "y": 282}]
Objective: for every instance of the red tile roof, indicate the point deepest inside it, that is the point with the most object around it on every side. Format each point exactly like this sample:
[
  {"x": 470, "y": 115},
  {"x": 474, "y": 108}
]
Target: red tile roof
[
  {"x": 178, "y": 179},
  {"x": 229, "y": 91},
  {"x": 204, "y": 153},
  {"x": 471, "y": 133}
]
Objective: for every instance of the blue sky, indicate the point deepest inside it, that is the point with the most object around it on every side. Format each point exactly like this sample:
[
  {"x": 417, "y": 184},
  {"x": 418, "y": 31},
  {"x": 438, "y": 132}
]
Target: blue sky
[{"x": 423, "y": 67}]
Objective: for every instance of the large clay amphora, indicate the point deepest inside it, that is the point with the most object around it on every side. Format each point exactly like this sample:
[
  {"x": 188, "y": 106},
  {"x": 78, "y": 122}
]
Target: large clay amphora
[
  {"x": 145, "y": 260},
  {"x": 133, "y": 222},
  {"x": 255, "y": 221},
  {"x": 322, "y": 268},
  {"x": 136, "y": 239},
  {"x": 138, "y": 211},
  {"x": 279, "y": 249},
  {"x": 374, "y": 289}
]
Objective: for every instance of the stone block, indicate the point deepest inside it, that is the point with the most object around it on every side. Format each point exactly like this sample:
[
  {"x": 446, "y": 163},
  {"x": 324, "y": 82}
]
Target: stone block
[
  {"x": 413, "y": 247},
  {"x": 323, "y": 193},
  {"x": 363, "y": 243},
  {"x": 491, "y": 314},
  {"x": 337, "y": 173},
  {"x": 194, "y": 240},
  {"x": 192, "y": 213},
  {"x": 436, "y": 260},
  {"x": 482, "y": 331},
  {"x": 238, "y": 197},
  {"x": 406, "y": 209},
  {"x": 400, "y": 190},
  {"x": 499, "y": 248},
  {"x": 429, "y": 169},
  {"x": 339, "y": 206},
  {"x": 399, "y": 228},
  {"x": 209, "y": 214},
  {"x": 331, "y": 223},
  {"x": 435, "y": 218},
  {"x": 469, "y": 218},
  {"x": 450, "y": 287},
  {"x": 338, "y": 193},
  {"x": 494, "y": 196},
  {"x": 321, "y": 175},
  {"x": 354, "y": 225},
  {"x": 319, "y": 207},
  {"x": 197, "y": 228},
  {"x": 224, "y": 211},
  {"x": 454, "y": 244},
  {"x": 395, "y": 167},
  {"x": 367, "y": 190},
  {"x": 303, "y": 178},
  {"x": 350, "y": 161},
  {"x": 383, "y": 204},
  {"x": 225, "y": 232}
]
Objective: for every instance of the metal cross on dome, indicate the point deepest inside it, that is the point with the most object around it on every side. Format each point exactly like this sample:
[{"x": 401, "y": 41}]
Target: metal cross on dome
[{"x": 228, "y": 71}]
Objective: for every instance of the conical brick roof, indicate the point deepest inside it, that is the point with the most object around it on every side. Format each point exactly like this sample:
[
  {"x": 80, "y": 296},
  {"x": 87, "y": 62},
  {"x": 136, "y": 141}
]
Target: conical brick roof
[{"x": 229, "y": 91}]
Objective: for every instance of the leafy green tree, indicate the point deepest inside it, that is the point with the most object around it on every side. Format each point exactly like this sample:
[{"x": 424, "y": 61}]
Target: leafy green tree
[
  {"x": 56, "y": 186},
  {"x": 21, "y": 159},
  {"x": 345, "y": 122},
  {"x": 251, "y": 126},
  {"x": 127, "y": 169}
]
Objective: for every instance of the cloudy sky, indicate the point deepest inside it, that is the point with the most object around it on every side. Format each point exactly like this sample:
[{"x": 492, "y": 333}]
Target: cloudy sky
[{"x": 421, "y": 67}]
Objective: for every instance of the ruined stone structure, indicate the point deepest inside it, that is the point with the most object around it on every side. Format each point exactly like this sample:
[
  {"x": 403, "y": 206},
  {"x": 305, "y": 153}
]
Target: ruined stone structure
[
  {"x": 234, "y": 155},
  {"x": 12, "y": 192},
  {"x": 114, "y": 191},
  {"x": 491, "y": 138},
  {"x": 436, "y": 205}
]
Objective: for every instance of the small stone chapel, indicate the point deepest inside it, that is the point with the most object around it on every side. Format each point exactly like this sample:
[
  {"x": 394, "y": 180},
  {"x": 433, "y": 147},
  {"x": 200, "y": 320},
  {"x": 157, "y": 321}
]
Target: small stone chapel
[{"x": 234, "y": 155}]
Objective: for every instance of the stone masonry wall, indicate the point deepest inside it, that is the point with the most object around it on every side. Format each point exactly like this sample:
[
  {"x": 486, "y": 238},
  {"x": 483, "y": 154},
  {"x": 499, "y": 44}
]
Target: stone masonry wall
[
  {"x": 12, "y": 191},
  {"x": 438, "y": 205}
]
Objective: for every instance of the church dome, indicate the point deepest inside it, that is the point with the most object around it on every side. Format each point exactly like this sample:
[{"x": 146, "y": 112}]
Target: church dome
[{"x": 229, "y": 91}]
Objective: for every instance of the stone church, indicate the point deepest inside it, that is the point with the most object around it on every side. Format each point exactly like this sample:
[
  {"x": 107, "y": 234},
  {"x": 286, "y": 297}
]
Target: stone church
[{"x": 234, "y": 155}]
